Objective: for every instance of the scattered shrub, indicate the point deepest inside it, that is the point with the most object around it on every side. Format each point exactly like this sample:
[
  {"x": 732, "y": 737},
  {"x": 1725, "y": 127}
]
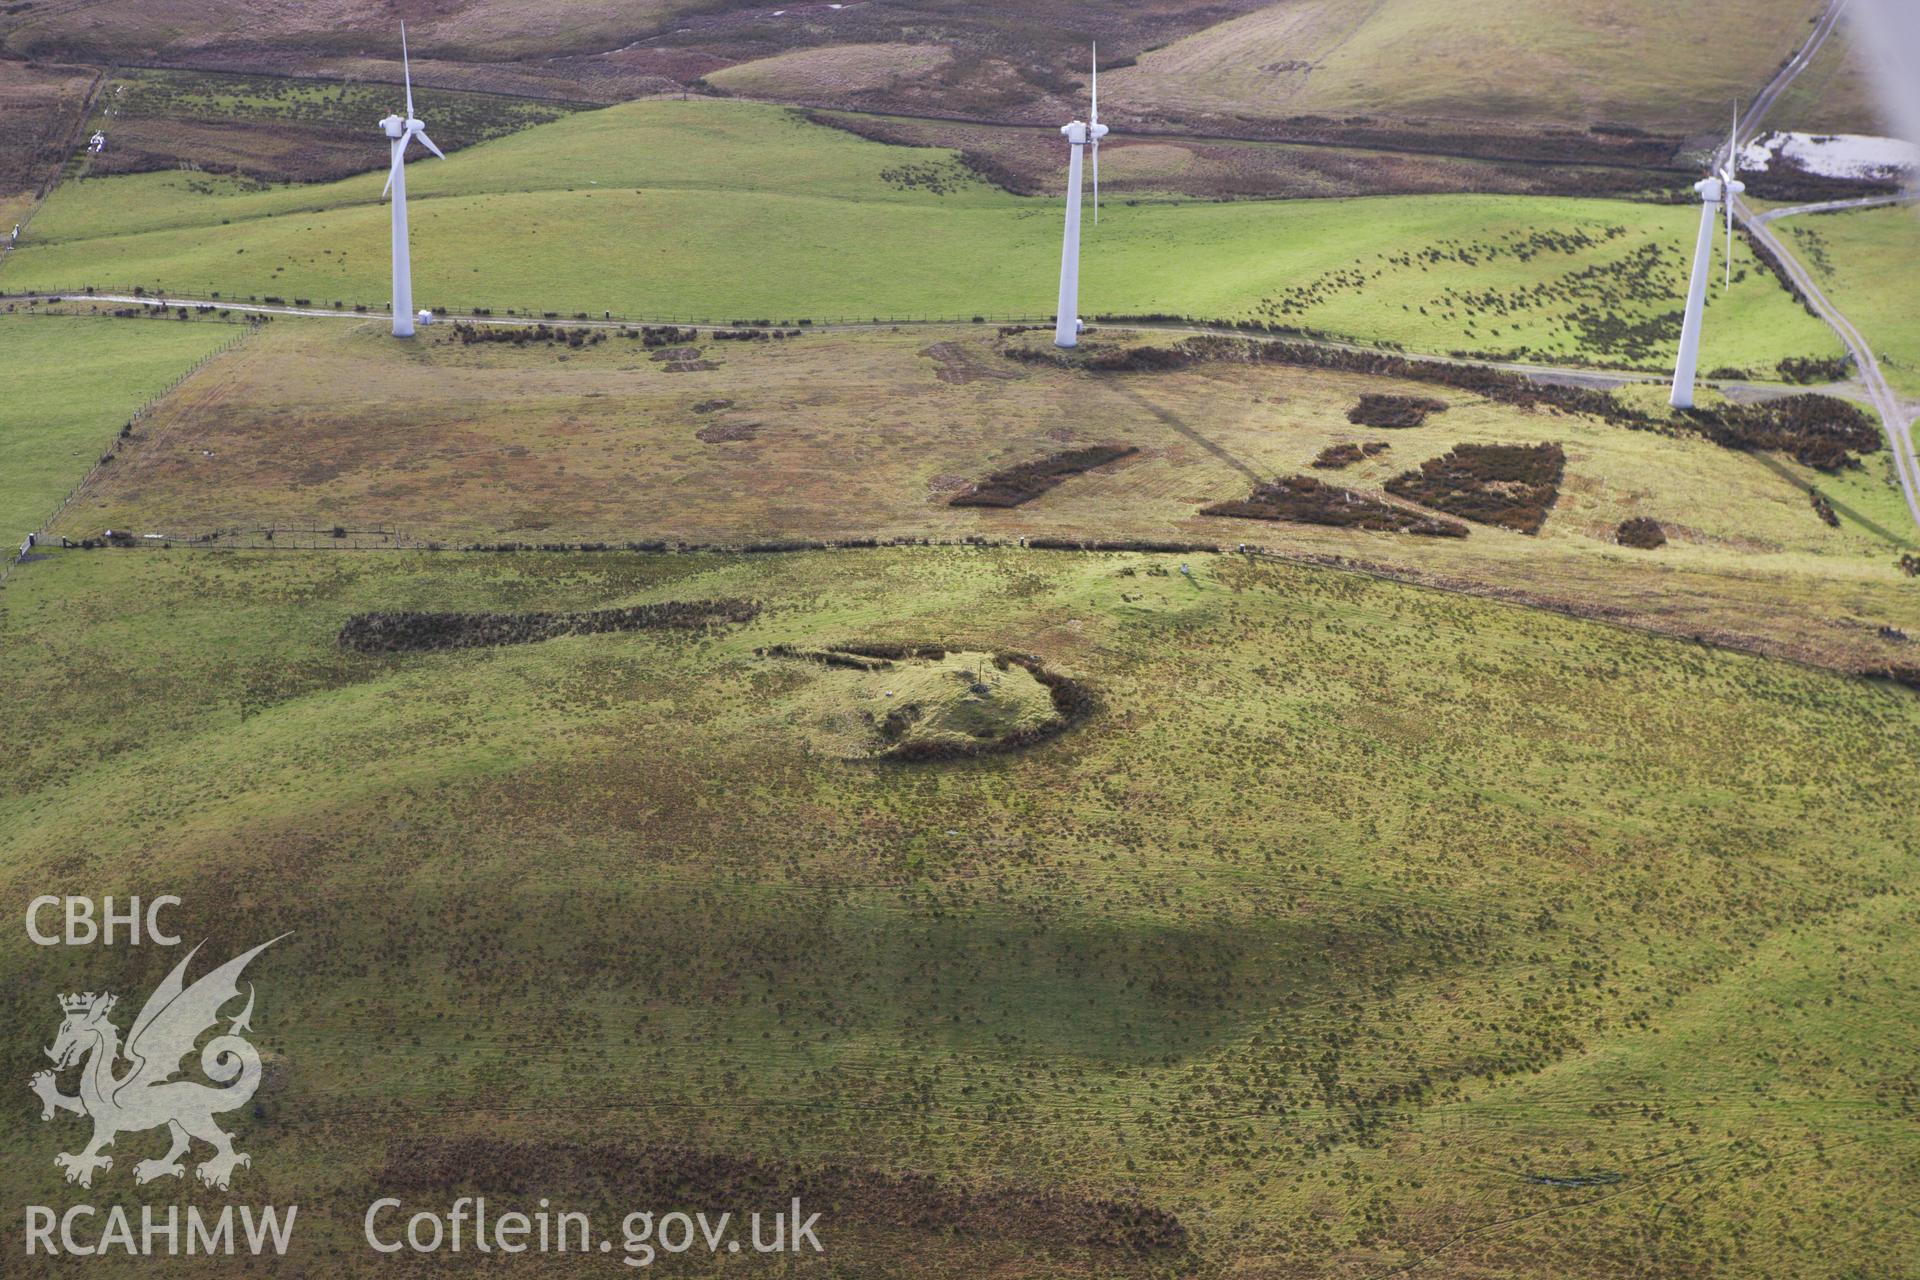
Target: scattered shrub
[
  {"x": 1477, "y": 379},
  {"x": 1807, "y": 370},
  {"x": 1823, "y": 508}
]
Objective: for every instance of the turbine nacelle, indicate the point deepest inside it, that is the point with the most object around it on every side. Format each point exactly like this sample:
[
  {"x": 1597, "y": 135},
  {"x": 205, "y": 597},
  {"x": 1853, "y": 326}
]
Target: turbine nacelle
[
  {"x": 1715, "y": 190},
  {"x": 395, "y": 126},
  {"x": 1079, "y": 133}
]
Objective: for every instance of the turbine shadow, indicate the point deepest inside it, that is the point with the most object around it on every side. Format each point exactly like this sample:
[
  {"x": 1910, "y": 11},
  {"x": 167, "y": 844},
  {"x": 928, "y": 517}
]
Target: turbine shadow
[
  {"x": 1841, "y": 509},
  {"x": 1173, "y": 420}
]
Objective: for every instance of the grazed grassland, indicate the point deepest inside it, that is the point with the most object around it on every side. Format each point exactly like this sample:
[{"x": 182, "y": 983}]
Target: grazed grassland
[
  {"x": 864, "y": 434},
  {"x": 655, "y": 209},
  {"x": 1362, "y": 925},
  {"x": 76, "y": 383},
  {"x": 1865, "y": 261}
]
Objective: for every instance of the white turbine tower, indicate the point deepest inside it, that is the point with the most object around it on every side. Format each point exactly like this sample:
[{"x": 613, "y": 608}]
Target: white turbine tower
[
  {"x": 1716, "y": 190},
  {"x": 399, "y": 134},
  {"x": 1066, "y": 332}
]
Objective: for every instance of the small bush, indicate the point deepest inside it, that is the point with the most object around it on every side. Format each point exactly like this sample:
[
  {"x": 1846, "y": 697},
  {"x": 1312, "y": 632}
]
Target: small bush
[
  {"x": 1393, "y": 412},
  {"x": 1337, "y": 456},
  {"x": 1641, "y": 532}
]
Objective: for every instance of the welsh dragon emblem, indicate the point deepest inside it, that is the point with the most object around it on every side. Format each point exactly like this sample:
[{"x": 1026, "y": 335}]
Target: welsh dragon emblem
[{"x": 146, "y": 1095}]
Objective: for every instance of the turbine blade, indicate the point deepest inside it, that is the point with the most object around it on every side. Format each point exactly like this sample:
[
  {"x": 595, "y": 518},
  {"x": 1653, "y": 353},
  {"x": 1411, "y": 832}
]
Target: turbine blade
[
  {"x": 1729, "y": 195},
  {"x": 1096, "y": 182},
  {"x": 1095, "y": 119},
  {"x": 406, "y": 69},
  {"x": 422, "y": 135},
  {"x": 399, "y": 158}
]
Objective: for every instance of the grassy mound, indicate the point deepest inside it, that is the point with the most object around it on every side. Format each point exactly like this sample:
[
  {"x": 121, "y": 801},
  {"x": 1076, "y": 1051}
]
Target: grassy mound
[{"x": 917, "y": 704}]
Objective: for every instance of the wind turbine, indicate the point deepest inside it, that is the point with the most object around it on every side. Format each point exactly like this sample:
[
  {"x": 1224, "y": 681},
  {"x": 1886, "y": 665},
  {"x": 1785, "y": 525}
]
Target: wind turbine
[
  {"x": 400, "y": 133},
  {"x": 1717, "y": 189},
  {"x": 1066, "y": 332}
]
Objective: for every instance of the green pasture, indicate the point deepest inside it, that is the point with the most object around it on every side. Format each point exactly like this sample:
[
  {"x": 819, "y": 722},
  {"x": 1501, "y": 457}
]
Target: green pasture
[
  {"x": 1359, "y": 920},
  {"x": 730, "y": 210},
  {"x": 73, "y": 383},
  {"x": 1865, "y": 261}
]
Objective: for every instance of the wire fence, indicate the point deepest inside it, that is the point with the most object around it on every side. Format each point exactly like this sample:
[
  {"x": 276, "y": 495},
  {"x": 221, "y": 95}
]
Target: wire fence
[
  {"x": 212, "y": 301},
  {"x": 39, "y": 534}
]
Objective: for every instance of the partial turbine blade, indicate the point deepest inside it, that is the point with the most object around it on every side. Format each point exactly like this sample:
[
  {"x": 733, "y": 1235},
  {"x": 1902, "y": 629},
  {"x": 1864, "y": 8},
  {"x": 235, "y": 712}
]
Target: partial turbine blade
[
  {"x": 399, "y": 158},
  {"x": 422, "y": 135},
  {"x": 1095, "y": 119},
  {"x": 1093, "y": 131},
  {"x": 406, "y": 69},
  {"x": 1729, "y": 195}
]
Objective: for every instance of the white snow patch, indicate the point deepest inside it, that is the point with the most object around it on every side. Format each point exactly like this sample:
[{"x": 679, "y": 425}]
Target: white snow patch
[{"x": 1834, "y": 155}]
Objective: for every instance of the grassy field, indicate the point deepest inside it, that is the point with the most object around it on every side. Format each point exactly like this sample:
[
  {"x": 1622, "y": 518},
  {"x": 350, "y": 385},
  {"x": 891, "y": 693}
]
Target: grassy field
[
  {"x": 73, "y": 383},
  {"x": 1864, "y": 260},
  {"x": 1835, "y": 94},
  {"x": 1642, "y": 63},
  {"x": 655, "y": 208},
  {"x": 861, "y": 434},
  {"x": 1361, "y": 926}
]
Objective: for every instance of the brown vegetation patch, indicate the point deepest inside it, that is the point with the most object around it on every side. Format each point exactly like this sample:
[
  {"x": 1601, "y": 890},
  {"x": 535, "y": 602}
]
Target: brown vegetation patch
[
  {"x": 1483, "y": 380},
  {"x": 1337, "y": 456},
  {"x": 1641, "y": 532},
  {"x": 42, "y": 107},
  {"x": 1305, "y": 500},
  {"x": 727, "y": 432},
  {"x": 408, "y": 632},
  {"x": 1024, "y": 483},
  {"x": 1818, "y": 431},
  {"x": 700, "y": 1180},
  {"x": 1393, "y": 412},
  {"x": 1510, "y": 485},
  {"x": 961, "y": 363}
]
